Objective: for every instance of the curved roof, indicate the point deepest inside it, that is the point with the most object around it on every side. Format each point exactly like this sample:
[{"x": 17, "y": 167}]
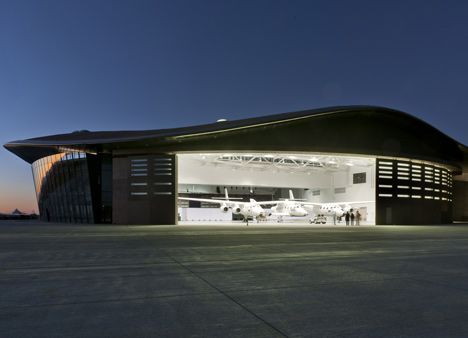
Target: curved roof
[{"x": 346, "y": 129}]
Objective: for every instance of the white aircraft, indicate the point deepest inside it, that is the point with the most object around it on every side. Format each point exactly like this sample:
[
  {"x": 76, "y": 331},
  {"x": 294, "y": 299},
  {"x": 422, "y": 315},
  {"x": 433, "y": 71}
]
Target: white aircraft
[
  {"x": 297, "y": 208},
  {"x": 250, "y": 209},
  {"x": 288, "y": 207},
  {"x": 337, "y": 209}
]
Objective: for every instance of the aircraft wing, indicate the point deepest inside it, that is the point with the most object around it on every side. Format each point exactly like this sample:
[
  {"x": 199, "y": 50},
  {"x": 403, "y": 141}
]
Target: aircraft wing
[
  {"x": 209, "y": 200},
  {"x": 280, "y": 214},
  {"x": 269, "y": 202},
  {"x": 312, "y": 203}
]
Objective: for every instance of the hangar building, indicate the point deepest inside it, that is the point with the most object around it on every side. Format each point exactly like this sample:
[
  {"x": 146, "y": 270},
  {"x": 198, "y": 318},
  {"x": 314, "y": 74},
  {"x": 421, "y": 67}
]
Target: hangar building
[{"x": 395, "y": 168}]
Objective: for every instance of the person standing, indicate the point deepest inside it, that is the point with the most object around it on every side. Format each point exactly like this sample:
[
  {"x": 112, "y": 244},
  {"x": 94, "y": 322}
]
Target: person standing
[
  {"x": 358, "y": 217},
  {"x": 352, "y": 217},
  {"x": 347, "y": 218}
]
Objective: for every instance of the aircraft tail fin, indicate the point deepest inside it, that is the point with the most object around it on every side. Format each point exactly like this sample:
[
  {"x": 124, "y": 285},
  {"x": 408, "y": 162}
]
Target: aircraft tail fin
[{"x": 291, "y": 197}]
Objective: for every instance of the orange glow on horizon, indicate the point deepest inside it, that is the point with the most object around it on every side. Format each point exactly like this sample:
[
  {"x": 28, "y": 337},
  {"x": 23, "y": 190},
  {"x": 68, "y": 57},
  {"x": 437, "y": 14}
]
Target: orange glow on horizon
[{"x": 23, "y": 202}]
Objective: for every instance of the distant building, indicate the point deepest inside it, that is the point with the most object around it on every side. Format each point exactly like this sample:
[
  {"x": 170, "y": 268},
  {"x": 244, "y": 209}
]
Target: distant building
[{"x": 17, "y": 214}]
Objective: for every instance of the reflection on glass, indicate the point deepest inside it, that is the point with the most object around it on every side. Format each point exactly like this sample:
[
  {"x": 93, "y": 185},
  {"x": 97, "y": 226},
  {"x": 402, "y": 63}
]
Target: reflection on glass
[{"x": 62, "y": 188}]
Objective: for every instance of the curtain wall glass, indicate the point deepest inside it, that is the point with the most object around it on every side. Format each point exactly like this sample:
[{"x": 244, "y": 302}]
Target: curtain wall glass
[{"x": 63, "y": 189}]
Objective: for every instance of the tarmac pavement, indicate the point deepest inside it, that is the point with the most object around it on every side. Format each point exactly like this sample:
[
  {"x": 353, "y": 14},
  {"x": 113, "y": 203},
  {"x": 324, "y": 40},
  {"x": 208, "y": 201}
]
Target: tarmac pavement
[{"x": 232, "y": 281}]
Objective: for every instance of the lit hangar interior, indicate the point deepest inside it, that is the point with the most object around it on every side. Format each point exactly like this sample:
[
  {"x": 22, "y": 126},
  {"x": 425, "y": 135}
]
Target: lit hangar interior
[{"x": 344, "y": 182}]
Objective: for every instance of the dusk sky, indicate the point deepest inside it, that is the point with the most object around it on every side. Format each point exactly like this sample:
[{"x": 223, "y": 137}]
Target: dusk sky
[{"x": 110, "y": 65}]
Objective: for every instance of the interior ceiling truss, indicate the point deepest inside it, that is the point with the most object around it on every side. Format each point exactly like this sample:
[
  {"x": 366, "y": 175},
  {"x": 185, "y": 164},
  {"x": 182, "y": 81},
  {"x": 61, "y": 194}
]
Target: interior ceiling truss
[{"x": 296, "y": 162}]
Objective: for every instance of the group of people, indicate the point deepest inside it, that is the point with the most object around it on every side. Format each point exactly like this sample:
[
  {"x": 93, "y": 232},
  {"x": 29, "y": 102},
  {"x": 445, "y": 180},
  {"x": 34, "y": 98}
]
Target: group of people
[{"x": 350, "y": 217}]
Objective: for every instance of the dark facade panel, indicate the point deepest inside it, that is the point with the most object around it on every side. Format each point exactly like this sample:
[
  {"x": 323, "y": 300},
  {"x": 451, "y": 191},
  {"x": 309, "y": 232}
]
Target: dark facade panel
[
  {"x": 460, "y": 201},
  {"x": 100, "y": 176},
  {"x": 145, "y": 189},
  {"x": 412, "y": 193}
]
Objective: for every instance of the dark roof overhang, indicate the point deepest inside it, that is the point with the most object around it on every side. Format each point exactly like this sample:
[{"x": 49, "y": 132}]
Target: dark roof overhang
[{"x": 369, "y": 130}]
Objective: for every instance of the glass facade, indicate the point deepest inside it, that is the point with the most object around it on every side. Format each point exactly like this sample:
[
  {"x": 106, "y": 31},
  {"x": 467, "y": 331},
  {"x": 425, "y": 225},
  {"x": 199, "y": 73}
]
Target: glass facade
[{"x": 63, "y": 189}]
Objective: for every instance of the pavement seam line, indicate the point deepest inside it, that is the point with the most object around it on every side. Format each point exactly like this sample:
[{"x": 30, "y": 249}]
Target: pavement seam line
[
  {"x": 230, "y": 298},
  {"x": 104, "y": 301}
]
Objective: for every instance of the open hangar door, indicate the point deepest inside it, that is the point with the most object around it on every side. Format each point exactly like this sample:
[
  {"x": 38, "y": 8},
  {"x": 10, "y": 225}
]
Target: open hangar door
[{"x": 322, "y": 185}]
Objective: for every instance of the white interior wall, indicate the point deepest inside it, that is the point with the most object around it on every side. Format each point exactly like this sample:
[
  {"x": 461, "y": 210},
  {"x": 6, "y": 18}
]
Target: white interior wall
[
  {"x": 354, "y": 192},
  {"x": 204, "y": 214},
  {"x": 192, "y": 171}
]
